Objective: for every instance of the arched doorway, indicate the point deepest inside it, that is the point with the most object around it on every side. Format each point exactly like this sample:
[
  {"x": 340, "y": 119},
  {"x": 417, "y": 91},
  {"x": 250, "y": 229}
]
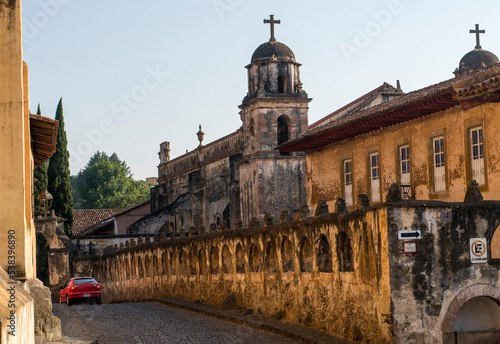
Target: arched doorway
[
  {"x": 481, "y": 313},
  {"x": 473, "y": 317}
]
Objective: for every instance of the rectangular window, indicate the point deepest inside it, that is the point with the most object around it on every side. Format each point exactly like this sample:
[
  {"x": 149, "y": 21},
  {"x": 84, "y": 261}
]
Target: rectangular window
[
  {"x": 404, "y": 170},
  {"x": 374, "y": 178},
  {"x": 348, "y": 181},
  {"x": 439, "y": 179},
  {"x": 476, "y": 154}
]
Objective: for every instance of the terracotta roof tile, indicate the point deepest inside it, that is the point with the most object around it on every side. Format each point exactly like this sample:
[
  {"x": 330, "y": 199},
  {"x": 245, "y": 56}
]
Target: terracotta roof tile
[
  {"x": 86, "y": 218},
  {"x": 326, "y": 134}
]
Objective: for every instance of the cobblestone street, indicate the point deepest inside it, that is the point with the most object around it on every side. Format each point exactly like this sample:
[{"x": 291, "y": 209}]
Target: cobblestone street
[{"x": 151, "y": 323}]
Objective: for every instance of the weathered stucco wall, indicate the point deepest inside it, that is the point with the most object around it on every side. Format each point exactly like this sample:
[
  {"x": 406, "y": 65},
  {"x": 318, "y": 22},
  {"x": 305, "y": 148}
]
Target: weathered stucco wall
[
  {"x": 15, "y": 163},
  {"x": 292, "y": 267},
  {"x": 269, "y": 186},
  {"x": 342, "y": 273},
  {"x": 195, "y": 198},
  {"x": 324, "y": 166},
  {"x": 425, "y": 286}
]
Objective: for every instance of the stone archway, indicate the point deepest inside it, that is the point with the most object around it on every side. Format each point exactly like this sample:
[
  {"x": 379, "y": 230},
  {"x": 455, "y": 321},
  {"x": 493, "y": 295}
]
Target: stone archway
[{"x": 473, "y": 316}]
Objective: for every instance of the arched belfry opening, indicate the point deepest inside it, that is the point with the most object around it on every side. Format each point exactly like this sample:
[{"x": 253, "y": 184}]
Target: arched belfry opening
[
  {"x": 283, "y": 129},
  {"x": 282, "y": 84}
]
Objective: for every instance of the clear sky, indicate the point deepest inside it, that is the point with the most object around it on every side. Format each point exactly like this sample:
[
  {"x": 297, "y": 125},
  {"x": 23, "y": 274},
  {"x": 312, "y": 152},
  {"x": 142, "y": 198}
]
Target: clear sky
[{"x": 133, "y": 73}]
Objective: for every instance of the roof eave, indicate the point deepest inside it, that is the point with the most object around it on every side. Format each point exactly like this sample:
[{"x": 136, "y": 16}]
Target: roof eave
[{"x": 43, "y": 132}]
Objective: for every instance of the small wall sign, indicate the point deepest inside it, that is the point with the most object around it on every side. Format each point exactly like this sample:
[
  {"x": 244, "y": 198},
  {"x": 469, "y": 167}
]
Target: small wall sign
[
  {"x": 410, "y": 235},
  {"x": 478, "y": 251},
  {"x": 409, "y": 248}
]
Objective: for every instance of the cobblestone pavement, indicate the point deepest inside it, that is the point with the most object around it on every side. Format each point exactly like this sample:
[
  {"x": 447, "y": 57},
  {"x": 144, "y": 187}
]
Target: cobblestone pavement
[{"x": 153, "y": 323}]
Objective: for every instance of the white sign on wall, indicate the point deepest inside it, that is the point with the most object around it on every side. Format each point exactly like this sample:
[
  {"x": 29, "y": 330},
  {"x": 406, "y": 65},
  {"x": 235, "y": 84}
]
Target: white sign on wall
[{"x": 478, "y": 252}]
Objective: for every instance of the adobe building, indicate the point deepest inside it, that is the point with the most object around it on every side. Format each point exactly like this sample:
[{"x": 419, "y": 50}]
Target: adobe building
[
  {"x": 241, "y": 176},
  {"x": 433, "y": 142},
  {"x": 26, "y": 141}
]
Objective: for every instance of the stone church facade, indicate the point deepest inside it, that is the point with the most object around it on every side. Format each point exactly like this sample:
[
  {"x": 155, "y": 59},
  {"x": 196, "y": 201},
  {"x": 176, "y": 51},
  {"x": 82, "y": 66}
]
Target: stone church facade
[{"x": 241, "y": 177}]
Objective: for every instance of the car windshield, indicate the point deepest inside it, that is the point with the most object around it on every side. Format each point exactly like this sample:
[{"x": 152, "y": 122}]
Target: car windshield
[{"x": 84, "y": 280}]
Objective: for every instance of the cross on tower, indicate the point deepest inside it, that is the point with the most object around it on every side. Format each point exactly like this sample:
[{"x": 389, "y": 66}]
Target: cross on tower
[
  {"x": 477, "y": 32},
  {"x": 272, "y": 22}
]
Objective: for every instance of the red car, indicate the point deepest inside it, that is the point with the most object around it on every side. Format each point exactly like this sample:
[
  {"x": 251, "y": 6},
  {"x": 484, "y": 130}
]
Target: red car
[{"x": 81, "y": 288}]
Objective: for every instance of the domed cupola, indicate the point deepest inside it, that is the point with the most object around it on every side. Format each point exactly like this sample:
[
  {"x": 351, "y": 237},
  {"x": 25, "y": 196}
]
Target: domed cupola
[
  {"x": 273, "y": 71},
  {"x": 273, "y": 51},
  {"x": 477, "y": 58}
]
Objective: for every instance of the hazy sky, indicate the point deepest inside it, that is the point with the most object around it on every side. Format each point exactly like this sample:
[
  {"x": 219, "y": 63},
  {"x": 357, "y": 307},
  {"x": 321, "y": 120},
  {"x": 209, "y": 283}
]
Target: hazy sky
[{"x": 133, "y": 74}]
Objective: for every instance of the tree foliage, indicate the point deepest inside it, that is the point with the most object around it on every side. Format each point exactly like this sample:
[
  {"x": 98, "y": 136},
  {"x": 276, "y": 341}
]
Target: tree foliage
[
  {"x": 58, "y": 175},
  {"x": 42, "y": 182},
  {"x": 106, "y": 183}
]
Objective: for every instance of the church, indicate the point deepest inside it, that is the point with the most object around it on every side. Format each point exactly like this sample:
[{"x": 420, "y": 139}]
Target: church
[
  {"x": 240, "y": 178},
  {"x": 399, "y": 240}
]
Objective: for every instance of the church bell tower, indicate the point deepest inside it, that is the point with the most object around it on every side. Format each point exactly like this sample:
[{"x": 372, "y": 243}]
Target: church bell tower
[{"x": 274, "y": 111}]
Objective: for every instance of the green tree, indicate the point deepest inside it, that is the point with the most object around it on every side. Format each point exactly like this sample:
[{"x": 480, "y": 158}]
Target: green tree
[
  {"x": 106, "y": 182},
  {"x": 58, "y": 173},
  {"x": 42, "y": 182}
]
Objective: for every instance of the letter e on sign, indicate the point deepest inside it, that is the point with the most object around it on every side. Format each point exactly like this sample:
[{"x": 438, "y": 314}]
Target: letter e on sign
[{"x": 478, "y": 251}]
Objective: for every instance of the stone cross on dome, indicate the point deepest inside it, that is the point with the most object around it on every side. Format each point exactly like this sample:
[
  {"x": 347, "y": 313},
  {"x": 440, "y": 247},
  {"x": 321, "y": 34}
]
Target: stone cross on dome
[
  {"x": 477, "y": 32},
  {"x": 272, "y": 22}
]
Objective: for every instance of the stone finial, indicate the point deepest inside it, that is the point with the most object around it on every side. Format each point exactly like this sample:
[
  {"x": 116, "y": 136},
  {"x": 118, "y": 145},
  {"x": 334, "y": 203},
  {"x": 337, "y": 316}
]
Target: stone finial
[
  {"x": 268, "y": 220},
  {"x": 132, "y": 242},
  {"x": 284, "y": 216},
  {"x": 147, "y": 239},
  {"x": 127, "y": 243},
  {"x": 200, "y": 135},
  {"x": 394, "y": 193},
  {"x": 163, "y": 236},
  {"x": 201, "y": 230},
  {"x": 140, "y": 241},
  {"x": 473, "y": 194},
  {"x": 122, "y": 246},
  {"x": 213, "y": 228},
  {"x": 192, "y": 231},
  {"x": 238, "y": 224},
  {"x": 115, "y": 248},
  {"x": 341, "y": 206},
  {"x": 254, "y": 223},
  {"x": 156, "y": 237},
  {"x": 322, "y": 208},
  {"x": 363, "y": 201},
  {"x": 303, "y": 212}
]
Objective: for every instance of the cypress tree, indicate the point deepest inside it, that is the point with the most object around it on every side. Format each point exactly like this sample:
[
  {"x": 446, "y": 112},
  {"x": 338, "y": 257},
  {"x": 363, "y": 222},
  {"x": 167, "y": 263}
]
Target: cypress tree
[
  {"x": 42, "y": 183},
  {"x": 58, "y": 173},
  {"x": 42, "y": 247}
]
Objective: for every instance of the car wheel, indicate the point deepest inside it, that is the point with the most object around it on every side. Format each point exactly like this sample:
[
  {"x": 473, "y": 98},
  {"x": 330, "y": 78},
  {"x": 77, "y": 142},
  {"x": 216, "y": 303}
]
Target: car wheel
[
  {"x": 91, "y": 300},
  {"x": 98, "y": 300},
  {"x": 68, "y": 301}
]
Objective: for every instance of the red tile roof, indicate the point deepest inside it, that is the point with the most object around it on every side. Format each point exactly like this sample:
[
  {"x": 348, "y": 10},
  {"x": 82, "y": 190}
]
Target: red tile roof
[
  {"x": 360, "y": 102},
  {"x": 86, "y": 218},
  {"x": 412, "y": 105}
]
